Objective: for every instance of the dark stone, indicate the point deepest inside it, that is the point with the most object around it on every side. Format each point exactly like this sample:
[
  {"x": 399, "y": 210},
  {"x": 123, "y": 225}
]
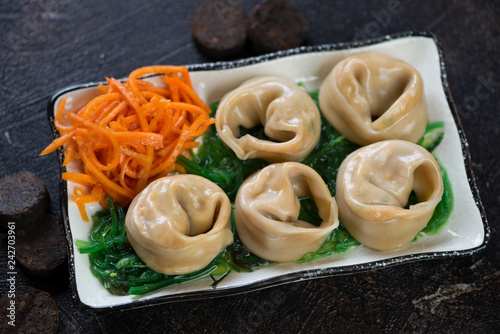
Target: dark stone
[
  {"x": 218, "y": 28},
  {"x": 42, "y": 249},
  {"x": 48, "y": 45},
  {"x": 276, "y": 25},
  {"x": 35, "y": 312},
  {"x": 24, "y": 199}
]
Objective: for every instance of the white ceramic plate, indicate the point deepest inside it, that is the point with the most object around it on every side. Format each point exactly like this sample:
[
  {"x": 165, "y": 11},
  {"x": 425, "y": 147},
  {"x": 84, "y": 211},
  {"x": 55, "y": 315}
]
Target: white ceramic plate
[{"x": 465, "y": 233}]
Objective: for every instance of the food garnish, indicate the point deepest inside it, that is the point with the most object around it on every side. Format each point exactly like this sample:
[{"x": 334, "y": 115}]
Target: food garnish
[{"x": 130, "y": 135}]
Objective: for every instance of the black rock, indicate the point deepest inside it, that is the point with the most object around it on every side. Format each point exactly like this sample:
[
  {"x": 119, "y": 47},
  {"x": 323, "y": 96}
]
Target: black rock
[
  {"x": 218, "y": 28},
  {"x": 29, "y": 311},
  {"x": 276, "y": 25},
  {"x": 42, "y": 248},
  {"x": 24, "y": 199}
]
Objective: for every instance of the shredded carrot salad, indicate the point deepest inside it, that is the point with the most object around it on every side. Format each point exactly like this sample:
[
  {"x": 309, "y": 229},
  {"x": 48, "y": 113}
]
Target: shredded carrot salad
[{"x": 130, "y": 135}]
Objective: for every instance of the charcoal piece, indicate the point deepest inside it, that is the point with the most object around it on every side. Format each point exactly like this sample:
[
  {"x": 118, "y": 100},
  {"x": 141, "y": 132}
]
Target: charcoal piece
[
  {"x": 34, "y": 311},
  {"x": 42, "y": 248},
  {"x": 218, "y": 28},
  {"x": 24, "y": 199},
  {"x": 276, "y": 25}
]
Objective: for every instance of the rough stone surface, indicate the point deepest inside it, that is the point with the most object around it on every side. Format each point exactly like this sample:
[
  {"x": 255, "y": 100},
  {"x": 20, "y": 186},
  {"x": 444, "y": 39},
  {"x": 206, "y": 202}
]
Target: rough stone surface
[
  {"x": 23, "y": 199},
  {"x": 41, "y": 250},
  {"x": 219, "y": 28},
  {"x": 50, "y": 44},
  {"x": 36, "y": 312}
]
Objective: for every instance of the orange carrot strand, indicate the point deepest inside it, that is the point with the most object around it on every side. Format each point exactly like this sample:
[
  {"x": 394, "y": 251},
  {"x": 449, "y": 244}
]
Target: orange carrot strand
[{"x": 131, "y": 134}]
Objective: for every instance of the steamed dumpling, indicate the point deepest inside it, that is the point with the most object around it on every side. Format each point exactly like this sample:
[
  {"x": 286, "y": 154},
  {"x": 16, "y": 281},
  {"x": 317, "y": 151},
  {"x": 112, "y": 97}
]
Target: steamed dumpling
[
  {"x": 374, "y": 97},
  {"x": 373, "y": 186},
  {"x": 179, "y": 224},
  {"x": 267, "y": 209},
  {"x": 289, "y": 116}
]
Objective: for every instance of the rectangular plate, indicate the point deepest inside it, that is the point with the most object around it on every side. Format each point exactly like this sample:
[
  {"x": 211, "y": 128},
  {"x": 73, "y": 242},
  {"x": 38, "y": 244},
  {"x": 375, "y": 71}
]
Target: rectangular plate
[{"x": 466, "y": 232}]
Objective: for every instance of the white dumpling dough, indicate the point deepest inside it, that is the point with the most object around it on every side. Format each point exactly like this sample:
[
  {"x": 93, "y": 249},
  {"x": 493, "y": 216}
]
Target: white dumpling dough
[
  {"x": 373, "y": 186},
  {"x": 179, "y": 224},
  {"x": 373, "y": 97},
  {"x": 287, "y": 112},
  {"x": 267, "y": 210}
]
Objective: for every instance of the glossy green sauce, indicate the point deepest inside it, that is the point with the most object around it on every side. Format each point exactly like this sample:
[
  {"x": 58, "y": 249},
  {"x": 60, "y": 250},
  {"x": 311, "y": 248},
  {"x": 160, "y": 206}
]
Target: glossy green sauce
[{"x": 116, "y": 264}]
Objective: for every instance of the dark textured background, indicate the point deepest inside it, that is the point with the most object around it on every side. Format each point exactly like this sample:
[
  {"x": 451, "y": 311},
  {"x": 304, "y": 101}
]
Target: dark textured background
[{"x": 49, "y": 44}]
